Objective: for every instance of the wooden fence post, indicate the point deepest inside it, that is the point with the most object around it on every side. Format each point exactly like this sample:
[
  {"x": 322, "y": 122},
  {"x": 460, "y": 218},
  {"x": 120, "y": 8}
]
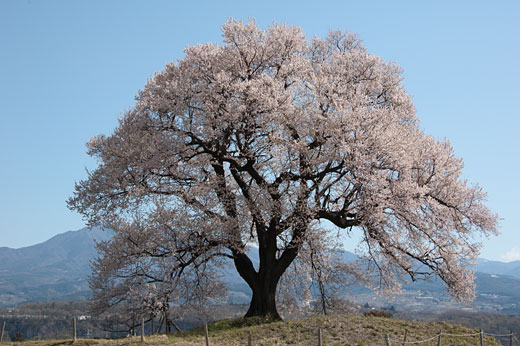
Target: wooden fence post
[
  {"x": 405, "y": 335},
  {"x": 319, "y": 337},
  {"x": 440, "y": 337},
  {"x": 206, "y": 333},
  {"x": 510, "y": 338},
  {"x": 481, "y": 338},
  {"x": 387, "y": 339},
  {"x": 142, "y": 330},
  {"x": 3, "y": 328},
  {"x": 249, "y": 339},
  {"x": 73, "y": 329}
]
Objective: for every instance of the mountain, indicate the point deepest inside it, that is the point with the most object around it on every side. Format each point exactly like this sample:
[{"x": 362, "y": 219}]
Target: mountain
[
  {"x": 54, "y": 269},
  {"x": 499, "y": 268},
  {"x": 495, "y": 292},
  {"x": 58, "y": 270}
]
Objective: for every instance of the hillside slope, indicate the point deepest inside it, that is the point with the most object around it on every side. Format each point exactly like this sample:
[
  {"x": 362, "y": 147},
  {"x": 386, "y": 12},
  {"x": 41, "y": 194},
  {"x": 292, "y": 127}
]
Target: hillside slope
[
  {"x": 499, "y": 268},
  {"x": 354, "y": 330},
  {"x": 55, "y": 268}
]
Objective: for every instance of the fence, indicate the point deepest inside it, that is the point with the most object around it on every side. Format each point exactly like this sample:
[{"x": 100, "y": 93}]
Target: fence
[
  {"x": 388, "y": 340},
  {"x": 439, "y": 336}
]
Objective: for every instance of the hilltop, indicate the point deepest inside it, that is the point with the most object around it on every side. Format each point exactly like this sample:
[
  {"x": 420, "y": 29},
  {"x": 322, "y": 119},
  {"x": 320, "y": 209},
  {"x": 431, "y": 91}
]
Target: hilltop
[{"x": 355, "y": 330}]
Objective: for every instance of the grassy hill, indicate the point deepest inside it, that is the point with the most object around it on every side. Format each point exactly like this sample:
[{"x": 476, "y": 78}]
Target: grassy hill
[{"x": 355, "y": 330}]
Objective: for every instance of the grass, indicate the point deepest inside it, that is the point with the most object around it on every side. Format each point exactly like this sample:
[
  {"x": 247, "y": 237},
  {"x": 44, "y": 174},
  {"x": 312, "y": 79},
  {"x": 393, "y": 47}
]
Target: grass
[{"x": 355, "y": 330}]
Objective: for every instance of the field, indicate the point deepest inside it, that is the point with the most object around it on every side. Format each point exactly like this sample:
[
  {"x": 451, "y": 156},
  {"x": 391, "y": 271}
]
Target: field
[{"x": 355, "y": 330}]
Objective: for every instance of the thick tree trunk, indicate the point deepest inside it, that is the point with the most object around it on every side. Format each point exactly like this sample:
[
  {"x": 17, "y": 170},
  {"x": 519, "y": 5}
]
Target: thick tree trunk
[
  {"x": 263, "y": 283},
  {"x": 263, "y": 302}
]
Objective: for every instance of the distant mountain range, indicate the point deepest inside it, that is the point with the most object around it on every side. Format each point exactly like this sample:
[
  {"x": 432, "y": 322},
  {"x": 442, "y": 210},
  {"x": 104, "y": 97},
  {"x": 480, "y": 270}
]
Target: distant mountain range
[
  {"x": 499, "y": 268},
  {"x": 58, "y": 268}
]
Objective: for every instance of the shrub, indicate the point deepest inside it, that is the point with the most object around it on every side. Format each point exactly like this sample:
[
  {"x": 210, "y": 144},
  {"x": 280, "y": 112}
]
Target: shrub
[
  {"x": 376, "y": 313},
  {"x": 17, "y": 337}
]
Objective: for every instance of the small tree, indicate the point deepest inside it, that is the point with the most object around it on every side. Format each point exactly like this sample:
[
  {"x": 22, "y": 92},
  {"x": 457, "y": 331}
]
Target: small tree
[
  {"x": 264, "y": 138},
  {"x": 142, "y": 273}
]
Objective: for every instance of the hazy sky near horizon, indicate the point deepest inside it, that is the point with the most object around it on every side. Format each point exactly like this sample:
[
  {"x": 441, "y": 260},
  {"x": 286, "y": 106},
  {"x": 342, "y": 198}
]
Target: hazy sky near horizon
[{"x": 69, "y": 68}]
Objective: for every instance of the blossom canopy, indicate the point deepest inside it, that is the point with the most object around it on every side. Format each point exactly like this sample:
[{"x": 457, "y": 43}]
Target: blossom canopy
[{"x": 262, "y": 138}]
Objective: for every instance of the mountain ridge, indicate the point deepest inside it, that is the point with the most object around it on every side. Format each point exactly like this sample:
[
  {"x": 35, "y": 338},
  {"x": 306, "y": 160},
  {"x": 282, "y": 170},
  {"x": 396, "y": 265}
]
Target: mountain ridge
[
  {"x": 57, "y": 269},
  {"x": 54, "y": 268}
]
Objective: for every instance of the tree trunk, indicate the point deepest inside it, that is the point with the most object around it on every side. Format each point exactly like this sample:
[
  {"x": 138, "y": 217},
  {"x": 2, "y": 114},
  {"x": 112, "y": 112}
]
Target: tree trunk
[
  {"x": 264, "y": 282},
  {"x": 263, "y": 302},
  {"x": 167, "y": 328}
]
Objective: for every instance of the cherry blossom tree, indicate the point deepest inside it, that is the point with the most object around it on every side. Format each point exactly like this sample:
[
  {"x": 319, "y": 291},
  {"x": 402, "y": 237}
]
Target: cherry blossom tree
[{"x": 269, "y": 138}]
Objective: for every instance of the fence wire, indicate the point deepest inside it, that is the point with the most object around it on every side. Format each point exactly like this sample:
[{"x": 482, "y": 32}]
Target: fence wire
[
  {"x": 453, "y": 335},
  {"x": 461, "y": 335},
  {"x": 418, "y": 342},
  {"x": 499, "y": 335}
]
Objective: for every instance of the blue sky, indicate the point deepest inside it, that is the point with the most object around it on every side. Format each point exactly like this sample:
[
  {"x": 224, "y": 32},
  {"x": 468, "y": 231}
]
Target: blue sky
[{"x": 69, "y": 68}]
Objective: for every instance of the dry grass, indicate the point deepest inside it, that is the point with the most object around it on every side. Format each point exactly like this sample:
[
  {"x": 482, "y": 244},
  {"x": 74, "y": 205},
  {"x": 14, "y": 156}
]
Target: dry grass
[{"x": 355, "y": 330}]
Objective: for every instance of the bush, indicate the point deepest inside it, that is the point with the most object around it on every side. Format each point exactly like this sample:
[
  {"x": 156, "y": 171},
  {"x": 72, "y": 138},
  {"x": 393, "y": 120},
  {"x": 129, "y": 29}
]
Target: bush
[
  {"x": 17, "y": 337},
  {"x": 376, "y": 313}
]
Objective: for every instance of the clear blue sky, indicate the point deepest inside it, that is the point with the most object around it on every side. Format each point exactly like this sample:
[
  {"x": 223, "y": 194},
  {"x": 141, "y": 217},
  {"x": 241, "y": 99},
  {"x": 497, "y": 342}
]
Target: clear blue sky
[{"x": 68, "y": 68}]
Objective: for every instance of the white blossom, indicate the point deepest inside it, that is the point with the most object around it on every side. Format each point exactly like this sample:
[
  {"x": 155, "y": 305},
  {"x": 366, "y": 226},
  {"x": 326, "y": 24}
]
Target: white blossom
[{"x": 257, "y": 139}]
